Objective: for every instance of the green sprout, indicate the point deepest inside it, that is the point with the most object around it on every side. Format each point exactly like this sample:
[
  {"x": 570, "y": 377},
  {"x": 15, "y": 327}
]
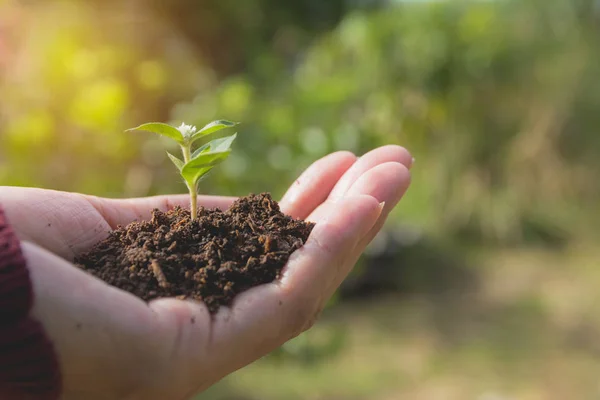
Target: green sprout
[{"x": 195, "y": 163}]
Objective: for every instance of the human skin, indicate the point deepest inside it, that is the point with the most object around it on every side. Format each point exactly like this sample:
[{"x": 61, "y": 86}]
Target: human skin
[{"x": 112, "y": 345}]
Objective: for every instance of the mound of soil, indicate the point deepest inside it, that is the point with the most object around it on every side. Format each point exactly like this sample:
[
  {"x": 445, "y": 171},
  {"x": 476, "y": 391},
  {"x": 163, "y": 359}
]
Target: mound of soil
[{"x": 211, "y": 259}]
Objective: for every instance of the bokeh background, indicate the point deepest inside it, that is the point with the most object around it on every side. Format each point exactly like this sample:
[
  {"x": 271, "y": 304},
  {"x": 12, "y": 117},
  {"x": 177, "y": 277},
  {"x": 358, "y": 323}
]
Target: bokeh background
[{"x": 485, "y": 282}]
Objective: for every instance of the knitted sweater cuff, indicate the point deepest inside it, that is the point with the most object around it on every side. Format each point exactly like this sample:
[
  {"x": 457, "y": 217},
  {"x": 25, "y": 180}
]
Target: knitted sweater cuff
[{"x": 28, "y": 363}]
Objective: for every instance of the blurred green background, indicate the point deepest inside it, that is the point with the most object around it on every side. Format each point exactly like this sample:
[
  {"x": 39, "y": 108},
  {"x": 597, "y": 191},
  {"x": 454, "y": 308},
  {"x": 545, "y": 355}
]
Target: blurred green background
[{"x": 484, "y": 283}]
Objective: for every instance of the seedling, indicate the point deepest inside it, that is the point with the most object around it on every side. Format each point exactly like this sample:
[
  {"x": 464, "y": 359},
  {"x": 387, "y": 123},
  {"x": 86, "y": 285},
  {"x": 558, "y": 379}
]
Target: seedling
[{"x": 198, "y": 163}]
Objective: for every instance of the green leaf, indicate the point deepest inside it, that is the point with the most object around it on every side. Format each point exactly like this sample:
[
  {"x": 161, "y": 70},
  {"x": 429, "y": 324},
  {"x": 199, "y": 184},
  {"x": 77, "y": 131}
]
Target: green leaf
[
  {"x": 221, "y": 144},
  {"x": 161, "y": 129},
  {"x": 197, "y": 167},
  {"x": 213, "y": 127},
  {"x": 178, "y": 163}
]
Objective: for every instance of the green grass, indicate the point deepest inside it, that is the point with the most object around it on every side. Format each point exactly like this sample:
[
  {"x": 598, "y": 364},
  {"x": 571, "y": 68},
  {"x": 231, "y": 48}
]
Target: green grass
[{"x": 531, "y": 332}]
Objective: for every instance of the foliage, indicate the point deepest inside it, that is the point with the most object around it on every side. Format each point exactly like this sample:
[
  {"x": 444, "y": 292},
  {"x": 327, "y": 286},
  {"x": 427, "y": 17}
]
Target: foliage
[
  {"x": 497, "y": 100},
  {"x": 494, "y": 99}
]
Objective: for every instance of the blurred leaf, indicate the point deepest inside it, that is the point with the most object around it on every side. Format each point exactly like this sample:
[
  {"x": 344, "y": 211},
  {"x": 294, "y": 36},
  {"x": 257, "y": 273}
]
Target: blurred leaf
[
  {"x": 236, "y": 96},
  {"x": 151, "y": 75},
  {"x": 36, "y": 128},
  {"x": 99, "y": 106}
]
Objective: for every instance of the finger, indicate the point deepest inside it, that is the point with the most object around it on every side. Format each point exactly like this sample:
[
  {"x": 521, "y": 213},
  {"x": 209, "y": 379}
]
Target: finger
[
  {"x": 385, "y": 182},
  {"x": 315, "y": 184},
  {"x": 323, "y": 258},
  {"x": 388, "y": 183},
  {"x": 123, "y": 211},
  {"x": 264, "y": 317},
  {"x": 373, "y": 158}
]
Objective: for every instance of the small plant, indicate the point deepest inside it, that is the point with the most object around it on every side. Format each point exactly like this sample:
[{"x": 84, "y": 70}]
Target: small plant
[
  {"x": 196, "y": 163},
  {"x": 212, "y": 260}
]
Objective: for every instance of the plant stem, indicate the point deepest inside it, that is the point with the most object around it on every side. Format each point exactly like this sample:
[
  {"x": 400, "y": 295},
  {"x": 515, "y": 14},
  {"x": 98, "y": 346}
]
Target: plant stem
[
  {"x": 194, "y": 201},
  {"x": 186, "y": 149}
]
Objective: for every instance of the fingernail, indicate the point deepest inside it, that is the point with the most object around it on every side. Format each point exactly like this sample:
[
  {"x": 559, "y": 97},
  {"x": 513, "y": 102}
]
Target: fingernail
[
  {"x": 381, "y": 207},
  {"x": 413, "y": 162}
]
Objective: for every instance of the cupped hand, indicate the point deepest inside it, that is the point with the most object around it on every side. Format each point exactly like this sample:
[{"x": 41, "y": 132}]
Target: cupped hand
[{"x": 112, "y": 345}]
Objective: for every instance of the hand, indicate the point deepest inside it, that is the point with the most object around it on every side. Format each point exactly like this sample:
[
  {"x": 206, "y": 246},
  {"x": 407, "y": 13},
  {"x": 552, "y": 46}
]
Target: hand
[{"x": 112, "y": 345}]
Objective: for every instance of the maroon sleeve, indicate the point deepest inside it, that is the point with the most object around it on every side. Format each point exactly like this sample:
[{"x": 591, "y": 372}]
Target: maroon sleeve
[{"x": 28, "y": 364}]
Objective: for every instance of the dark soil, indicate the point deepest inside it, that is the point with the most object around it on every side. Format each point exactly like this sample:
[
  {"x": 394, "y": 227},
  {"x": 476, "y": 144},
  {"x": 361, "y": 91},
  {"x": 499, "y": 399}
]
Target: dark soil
[{"x": 211, "y": 259}]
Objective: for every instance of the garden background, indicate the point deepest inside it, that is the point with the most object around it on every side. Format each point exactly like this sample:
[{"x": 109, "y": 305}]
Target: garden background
[{"x": 484, "y": 284}]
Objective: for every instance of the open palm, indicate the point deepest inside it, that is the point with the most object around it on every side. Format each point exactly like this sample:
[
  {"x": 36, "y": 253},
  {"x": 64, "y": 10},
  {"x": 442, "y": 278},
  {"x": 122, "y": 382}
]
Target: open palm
[{"x": 113, "y": 345}]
